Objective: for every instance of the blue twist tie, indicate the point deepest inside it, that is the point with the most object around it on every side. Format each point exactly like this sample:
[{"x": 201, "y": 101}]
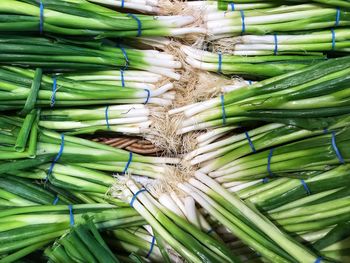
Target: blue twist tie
[
  {"x": 265, "y": 180},
  {"x": 54, "y": 91},
  {"x": 250, "y": 82},
  {"x": 307, "y": 189},
  {"x": 232, "y": 6},
  {"x": 122, "y": 77},
  {"x": 125, "y": 57},
  {"x": 58, "y": 156},
  {"x": 269, "y": 162},
  {"x": 152, "y": 246},
  {"x": 122, "y": 4},
  {"x": 148, "y": 96},
  {"x": 276, "y": 44},
  {"x": 318, "y": 260},
  {"x": 243, "y": 21},
  {"x": 55, "y": 201},
  {"x": 223, "y": 109},
  {"x": 210, "y": 230},
  {"x": 71, "y": 215},
  {"x": 106, "y": 117},
  {"x": 139, "y": 24},
  {"x": 250, "y": 141},
  {"x": 219, "y": 62},
  {"x": 128, "y": 163},
  {"x": 335, "y": 148},
  {"x": 41, "y": 22},
  {"x": 135, "y": 195},
  {"x": 337, "y": 18},
  {"x": 333, "y": 39}
]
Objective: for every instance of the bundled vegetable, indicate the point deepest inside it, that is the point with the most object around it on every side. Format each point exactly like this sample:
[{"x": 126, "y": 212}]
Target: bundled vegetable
[
  {"x": 82, "y": 18},
  {"x": 289, "y": 18},
  {"x": 257, "y": 67},
  {"x": 309, "y": 98},
  {"x": 62, "y": 55},
  {"x": 27, "y": 229},
  {"x": 282, "y": 44}
]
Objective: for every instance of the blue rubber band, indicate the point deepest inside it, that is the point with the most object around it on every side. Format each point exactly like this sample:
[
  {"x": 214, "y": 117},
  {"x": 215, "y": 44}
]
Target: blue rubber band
[
  {"x": 243, "y": 21},
  {"x": 125, "y": 57},
  {"x": 139, "y": 24},
  {"x": 122, "y": 77},
  {"x": 128, "y": 163},
  {"x": 58, "y": 156},
  {"x": 232, "y": 6},
  {"x": 318, "y": 260},
  {"x": 337, "y": 18},
  {"x": 55, "y": 201},
  {"x": 307, "y": 189},
  {"x": 333, "y": 39},
  {"x": 276, "y": 44},
  {"x": 152, "y": 246},
  {"x": 223, "y": 109},
  {"x": 325, "y": 130},
  {"x": 122, "y": 4},
  {"x": 335, "y": 148},
  {"x": 71, "y": 215},
  {"x": 54, "y": 91},
  {"x": 265, "y": 180},
  {"x": 250, "y": 141},
  {"x": 219, "y": 62},
  {"x": 250, "y": 82},
  {"x": 41, "y": 23},
  {"x": 106, "y": 117},
  {"x": 135, "y": 195},
  {"x": 148, "y": 96},
  {"x": 269, "y": 162}
]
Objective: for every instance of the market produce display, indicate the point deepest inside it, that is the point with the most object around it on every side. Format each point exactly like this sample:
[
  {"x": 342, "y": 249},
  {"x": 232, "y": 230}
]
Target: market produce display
[{"x": 174, "y": 131}]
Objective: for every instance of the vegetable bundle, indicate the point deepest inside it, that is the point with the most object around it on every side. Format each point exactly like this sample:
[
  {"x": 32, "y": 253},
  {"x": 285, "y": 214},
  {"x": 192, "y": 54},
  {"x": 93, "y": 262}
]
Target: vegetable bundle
[
  {"x": 307, "y": 98},
  {"x": 257, "y": 67},
  {"x": 62, "y": 55},
  {"x": 81, "y": 18}
]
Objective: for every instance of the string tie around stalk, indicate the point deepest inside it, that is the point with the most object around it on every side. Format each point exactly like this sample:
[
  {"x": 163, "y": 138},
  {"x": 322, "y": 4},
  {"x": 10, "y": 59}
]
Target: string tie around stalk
[
  {"x": 318, "y": 260},
  {"x": 333, "y": 39},
  {"x": 243, "y": 21},
  {"x": 148, "y": 96},
  {"x": 41, "y": 18},
  {"x": 232, "y": 6},
  {"x": 71, "y": 215},
  {"x": 250, "y": 82},
  {"x": 151, "y": 247},
  {"x": 250, "y": 141},
  {"x": 275, "y": 51},
  {"x": 58, "y": 156},
  {"x": 139, "y": 24},
  {"x": 135, "y": 196},
  {"x": 54, "y": 91},
  {"x": 107, "y": 118},
  {"x": 125, "y": 57},
  {"x": 122, "y": 77},
  {"x": 269, "y": 162},
  {"x": 306, "y": 187},
  {"x": 337, "y": 17},
  {"x": 128, "y": 163},
  {"x": 223, "y": 109},
  {"x": 265, "y": 180},
  {"x": 336, "y": 149},
  {"x": 123, "y": 2},
  {"x": 219, "y": 62},
  {"x": 56, "y": 200}
]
